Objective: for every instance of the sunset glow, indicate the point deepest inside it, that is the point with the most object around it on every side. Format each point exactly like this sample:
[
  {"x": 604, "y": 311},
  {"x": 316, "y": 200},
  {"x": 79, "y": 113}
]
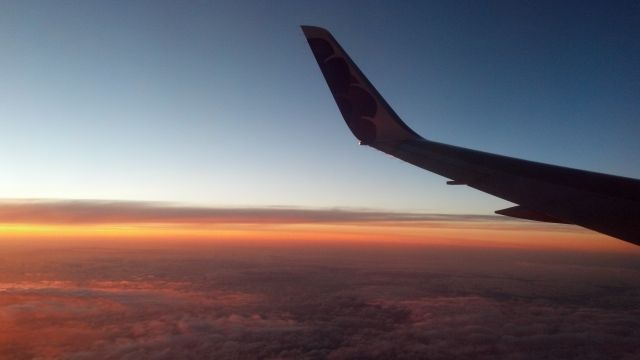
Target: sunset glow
[{"x": 149, "y": 222}]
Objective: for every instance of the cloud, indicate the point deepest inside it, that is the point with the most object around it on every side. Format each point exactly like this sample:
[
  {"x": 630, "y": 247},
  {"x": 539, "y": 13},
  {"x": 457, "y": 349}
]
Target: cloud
[
  {"x": 72, "y": 212},
  {"x": 245, "y": 303}
]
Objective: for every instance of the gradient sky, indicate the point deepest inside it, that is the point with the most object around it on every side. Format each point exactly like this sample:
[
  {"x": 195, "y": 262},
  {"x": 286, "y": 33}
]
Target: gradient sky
[{"x": 221, "y": 103}]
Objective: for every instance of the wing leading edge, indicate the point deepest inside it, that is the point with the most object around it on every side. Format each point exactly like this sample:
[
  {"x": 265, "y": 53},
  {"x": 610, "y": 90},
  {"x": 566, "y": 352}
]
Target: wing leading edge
[{"x": 605, "y": 203}]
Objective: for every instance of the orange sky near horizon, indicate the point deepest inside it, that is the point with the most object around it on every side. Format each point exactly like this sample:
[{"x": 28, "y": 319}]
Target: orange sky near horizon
[
  {"x": 130, "y": 222},
  {"x": 523, "y": 235}
]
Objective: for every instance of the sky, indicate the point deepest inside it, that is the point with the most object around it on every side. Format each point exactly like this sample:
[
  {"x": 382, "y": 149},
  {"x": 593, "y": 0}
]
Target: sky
[
  {"x": 216, "y": 103},
  {"x": 178, "y": 181}
]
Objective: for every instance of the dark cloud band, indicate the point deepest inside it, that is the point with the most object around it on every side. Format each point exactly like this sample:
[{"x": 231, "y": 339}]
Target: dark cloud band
[{"x": 113, "y": 212}]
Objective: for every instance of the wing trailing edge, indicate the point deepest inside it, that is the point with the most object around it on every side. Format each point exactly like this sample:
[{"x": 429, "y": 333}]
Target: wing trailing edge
[{"x": 524, "y": 213}]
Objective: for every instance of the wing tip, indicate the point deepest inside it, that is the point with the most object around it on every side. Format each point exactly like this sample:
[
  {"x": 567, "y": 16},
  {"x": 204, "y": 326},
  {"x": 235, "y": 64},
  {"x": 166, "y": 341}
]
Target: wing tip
[{"x": 311, "y": 31}]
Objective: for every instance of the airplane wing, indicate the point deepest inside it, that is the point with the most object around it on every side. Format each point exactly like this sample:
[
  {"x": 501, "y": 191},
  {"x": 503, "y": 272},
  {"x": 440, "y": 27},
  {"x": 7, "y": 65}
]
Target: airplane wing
[{"x": 605, "y": 203}]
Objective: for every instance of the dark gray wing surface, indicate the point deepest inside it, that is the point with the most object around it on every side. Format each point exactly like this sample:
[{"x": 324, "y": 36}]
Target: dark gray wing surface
[{"x": 604, "y": 203}]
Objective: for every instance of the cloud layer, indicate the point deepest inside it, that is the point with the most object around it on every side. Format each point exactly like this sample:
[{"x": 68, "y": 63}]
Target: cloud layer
[
  {"x": 119, "y": 212},
  {"x": 320, "y": 303}
]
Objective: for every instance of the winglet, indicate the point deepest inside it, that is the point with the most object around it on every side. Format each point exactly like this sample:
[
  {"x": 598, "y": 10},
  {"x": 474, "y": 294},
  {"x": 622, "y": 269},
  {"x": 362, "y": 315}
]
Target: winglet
[{"x": 364, "y": 110}]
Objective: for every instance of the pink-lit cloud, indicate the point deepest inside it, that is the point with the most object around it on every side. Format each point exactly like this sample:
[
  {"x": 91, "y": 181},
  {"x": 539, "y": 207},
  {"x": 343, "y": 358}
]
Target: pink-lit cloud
[{"x": 291, "y": 303}]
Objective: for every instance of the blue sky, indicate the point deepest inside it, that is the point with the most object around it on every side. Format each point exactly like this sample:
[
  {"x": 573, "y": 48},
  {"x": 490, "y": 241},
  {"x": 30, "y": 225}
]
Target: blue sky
[{"x": 222, "y": 103}]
